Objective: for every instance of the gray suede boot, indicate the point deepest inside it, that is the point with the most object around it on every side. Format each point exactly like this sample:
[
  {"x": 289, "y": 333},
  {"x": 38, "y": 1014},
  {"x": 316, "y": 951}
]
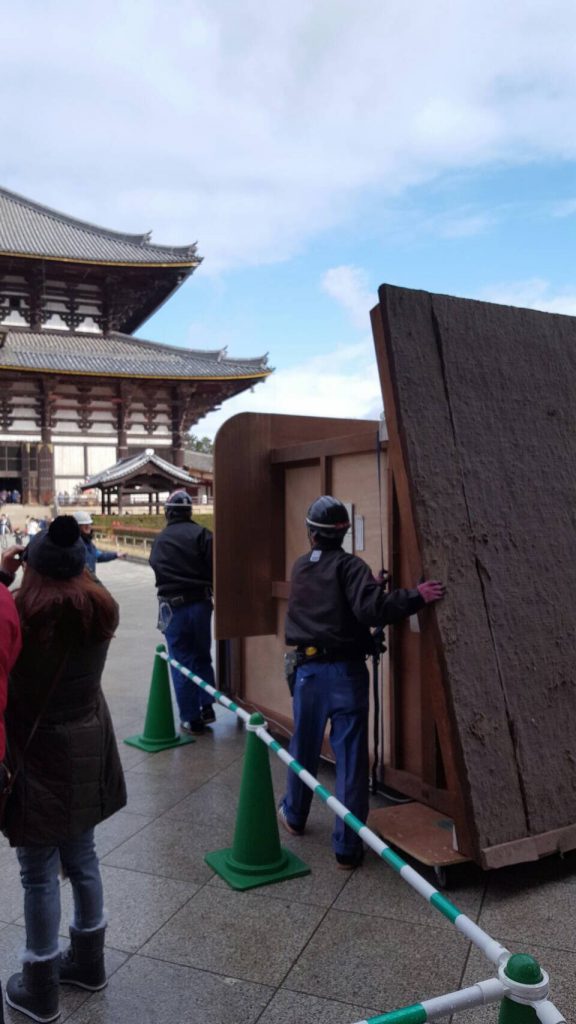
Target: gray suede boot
[
  {"x": 82, "y": 964},
  {"x": 35, "y": 990}
]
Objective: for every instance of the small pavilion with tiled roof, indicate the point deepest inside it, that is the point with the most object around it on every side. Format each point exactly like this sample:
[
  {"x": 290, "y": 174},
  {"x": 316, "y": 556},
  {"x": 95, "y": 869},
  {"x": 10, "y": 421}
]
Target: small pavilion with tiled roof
[
  {"x": 77, "y": 390},
  {"x": 146, "y": 476}
]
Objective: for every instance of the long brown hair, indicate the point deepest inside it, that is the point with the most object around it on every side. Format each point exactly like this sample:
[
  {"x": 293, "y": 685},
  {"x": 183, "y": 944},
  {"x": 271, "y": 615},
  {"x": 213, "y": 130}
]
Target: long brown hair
[{"x": 77, "y": 610}]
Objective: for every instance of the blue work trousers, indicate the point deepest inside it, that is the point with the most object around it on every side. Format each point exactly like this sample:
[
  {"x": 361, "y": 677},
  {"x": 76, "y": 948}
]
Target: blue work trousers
[
  {"x": 337, "y": 691},
  {"x": 189, "y": 637},
  {"x": 39, "y": 871}
]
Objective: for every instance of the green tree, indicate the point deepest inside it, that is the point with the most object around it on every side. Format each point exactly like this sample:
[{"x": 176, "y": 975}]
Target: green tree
[{"x": 199, "y": 444}]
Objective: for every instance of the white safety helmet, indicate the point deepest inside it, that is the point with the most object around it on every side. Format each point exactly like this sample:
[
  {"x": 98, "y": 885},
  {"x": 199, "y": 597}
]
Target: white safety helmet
[{"x": 83, "y": 518}]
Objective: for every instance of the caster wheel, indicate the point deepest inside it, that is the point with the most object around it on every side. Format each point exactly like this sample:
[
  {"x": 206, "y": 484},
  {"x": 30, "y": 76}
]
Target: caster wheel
[{"x": 441, "y": 876}]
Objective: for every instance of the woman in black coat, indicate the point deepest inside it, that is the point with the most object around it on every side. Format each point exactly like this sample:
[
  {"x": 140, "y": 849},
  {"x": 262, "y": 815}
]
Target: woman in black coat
[{"x": 70, "y": 776}]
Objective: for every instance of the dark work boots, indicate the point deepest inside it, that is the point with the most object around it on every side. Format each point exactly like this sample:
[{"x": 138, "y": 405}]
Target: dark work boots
[
  {"x": 35, "y": 990},
  {"x": 82, "y": 964}
]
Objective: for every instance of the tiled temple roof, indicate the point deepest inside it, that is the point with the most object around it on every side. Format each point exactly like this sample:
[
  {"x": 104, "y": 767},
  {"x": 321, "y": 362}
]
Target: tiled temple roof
[
  {"x": 117, "y": 355},
  {"x": 29, "y": 229}
]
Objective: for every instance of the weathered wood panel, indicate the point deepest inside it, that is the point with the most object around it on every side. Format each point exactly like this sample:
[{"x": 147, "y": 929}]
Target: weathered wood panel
[{"x": 481, "y": 403}]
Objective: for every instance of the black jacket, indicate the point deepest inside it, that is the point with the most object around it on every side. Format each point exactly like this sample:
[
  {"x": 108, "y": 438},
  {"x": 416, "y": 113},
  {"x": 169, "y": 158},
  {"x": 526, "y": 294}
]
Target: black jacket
[
  {"x": 181, "y": 558},
  {"x": 334, "y": 599},
  {"x": 72, "y": 776}
]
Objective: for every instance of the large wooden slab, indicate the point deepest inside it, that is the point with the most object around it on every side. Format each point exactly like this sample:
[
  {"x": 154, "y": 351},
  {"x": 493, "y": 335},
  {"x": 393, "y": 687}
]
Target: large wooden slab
[{"x": 481, "y": 408}]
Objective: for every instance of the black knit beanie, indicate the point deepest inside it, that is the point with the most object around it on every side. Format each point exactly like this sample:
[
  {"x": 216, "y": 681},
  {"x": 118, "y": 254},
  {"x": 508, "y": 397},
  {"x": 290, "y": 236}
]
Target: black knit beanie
[{"x": 58, "y": 552}]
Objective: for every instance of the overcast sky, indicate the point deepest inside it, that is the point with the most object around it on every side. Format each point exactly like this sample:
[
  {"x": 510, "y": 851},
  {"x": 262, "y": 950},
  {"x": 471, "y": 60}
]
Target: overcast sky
[{"x": 314, "y": 150}]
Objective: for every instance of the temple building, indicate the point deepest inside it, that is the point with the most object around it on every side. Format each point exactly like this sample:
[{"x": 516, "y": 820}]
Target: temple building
[{"x": 77, "y": 391}]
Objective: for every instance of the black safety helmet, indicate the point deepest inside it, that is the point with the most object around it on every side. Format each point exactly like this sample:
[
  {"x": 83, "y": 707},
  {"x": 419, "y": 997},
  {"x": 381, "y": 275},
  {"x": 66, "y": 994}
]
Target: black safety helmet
[
  {"x": 327, "y": 517},
  {"x": 178, "y": 506}
]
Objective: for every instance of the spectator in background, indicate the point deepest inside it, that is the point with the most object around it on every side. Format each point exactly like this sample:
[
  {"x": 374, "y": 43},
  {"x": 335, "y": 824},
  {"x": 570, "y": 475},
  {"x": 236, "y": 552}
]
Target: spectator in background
[
  {"x": 5, "y": 530},
  {"x": 32, "y": 527},
  {"x": 93, "y": 554}
]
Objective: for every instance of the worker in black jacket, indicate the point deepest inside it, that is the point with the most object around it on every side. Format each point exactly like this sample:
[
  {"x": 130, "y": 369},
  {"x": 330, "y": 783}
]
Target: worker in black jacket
[
  {"x": 334, "y": 600},
  {"x": 181, "y": 558}
]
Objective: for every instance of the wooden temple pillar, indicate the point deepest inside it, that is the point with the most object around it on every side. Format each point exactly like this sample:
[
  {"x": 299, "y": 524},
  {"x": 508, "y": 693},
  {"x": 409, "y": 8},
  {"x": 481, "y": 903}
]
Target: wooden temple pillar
[
  {"x": 125, "y": 392},
  {"x": 182, "y": 419},
  {"x": 45, "y": 452}
]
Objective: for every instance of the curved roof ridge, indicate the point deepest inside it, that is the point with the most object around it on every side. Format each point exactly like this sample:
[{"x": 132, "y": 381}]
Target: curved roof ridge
[
  {"x": 212, "y": 354},
  {"x": 117, "y": 355},
  {"x": 95, "y": 229}
]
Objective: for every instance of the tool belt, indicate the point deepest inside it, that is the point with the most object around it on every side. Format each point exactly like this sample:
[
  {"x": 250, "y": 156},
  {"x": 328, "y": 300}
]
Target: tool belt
[
  {"x": 179, "y": 600},
  {"x": 314, "y": 652}
]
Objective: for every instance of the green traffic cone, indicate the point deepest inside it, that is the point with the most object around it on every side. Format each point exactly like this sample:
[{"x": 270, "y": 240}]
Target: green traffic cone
[
  {"x": 256, "y": 857},
  {"x": 159, "y": 732},
  {"x": 523, "y": 968}
]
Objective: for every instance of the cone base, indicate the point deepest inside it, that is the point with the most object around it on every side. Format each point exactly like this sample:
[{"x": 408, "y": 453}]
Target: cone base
[
  {"x": 152, "y": 746},
  {"x": 251, "y": 877}
]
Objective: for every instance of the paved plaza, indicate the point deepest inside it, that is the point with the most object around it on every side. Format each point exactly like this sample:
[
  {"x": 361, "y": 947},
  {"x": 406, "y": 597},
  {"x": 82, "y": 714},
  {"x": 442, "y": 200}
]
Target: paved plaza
[{"x": 331, "y": 948}]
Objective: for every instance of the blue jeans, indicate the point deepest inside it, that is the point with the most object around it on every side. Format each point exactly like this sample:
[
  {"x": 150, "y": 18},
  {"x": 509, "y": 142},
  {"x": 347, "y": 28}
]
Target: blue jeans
[
  {"x": 39, "y": 870},
  {"x": 337, "y": 691},
  {"x": 189, "y": 637}
]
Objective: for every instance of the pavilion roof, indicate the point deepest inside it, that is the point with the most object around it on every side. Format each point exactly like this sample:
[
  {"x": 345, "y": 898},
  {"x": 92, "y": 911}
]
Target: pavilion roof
[
  {"x": 119, "y": 355},
  {"x": 32, "y": 230},
  {"x": 133, "y": 466}
]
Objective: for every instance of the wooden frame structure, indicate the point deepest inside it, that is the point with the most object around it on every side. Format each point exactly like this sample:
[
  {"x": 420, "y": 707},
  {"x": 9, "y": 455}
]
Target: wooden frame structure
[{"x": 478, "y": 712}]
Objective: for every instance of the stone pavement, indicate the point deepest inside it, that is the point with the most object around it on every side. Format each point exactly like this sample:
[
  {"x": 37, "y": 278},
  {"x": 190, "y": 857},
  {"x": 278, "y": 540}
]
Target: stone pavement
[{"x": 331, "y": 948}]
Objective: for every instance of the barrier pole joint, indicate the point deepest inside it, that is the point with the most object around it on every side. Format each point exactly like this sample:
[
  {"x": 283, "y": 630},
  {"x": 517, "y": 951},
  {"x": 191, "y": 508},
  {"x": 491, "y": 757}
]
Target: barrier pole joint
[{"x": 526, "y": 984}]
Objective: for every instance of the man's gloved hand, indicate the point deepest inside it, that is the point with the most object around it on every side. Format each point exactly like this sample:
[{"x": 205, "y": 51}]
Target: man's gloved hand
[{"x": 431, "y": 590}]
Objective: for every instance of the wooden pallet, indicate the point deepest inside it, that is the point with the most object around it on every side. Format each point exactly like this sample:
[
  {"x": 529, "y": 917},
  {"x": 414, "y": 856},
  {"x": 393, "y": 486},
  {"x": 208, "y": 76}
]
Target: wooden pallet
[{"x": 419, "y": 831}]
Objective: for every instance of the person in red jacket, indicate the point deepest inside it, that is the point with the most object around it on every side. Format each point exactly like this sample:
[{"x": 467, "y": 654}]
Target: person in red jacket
[
  {"x": 10, "y": 645},
  {"x": 10, "y": 638}
]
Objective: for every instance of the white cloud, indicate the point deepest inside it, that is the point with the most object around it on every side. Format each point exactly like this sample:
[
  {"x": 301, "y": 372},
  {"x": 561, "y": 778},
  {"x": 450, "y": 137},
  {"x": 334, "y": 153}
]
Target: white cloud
[
  {"x": 349, "y": 287},
  {"x": 253, "y": 128},
  {"x": 564, "y": 209},
  {"x": 343, "y": 384},
  {"x": 533, "y": 293},
  {"x": 465, "y": 225}
]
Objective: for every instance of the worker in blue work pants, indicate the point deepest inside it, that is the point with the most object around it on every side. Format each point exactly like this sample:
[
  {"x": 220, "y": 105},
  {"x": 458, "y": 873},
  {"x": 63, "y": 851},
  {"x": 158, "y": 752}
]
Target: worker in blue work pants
[
  {"x": 188, "y": 638},
  {"x": 181, "y": 558},
  {"x": 335, "y": 690},
  {"x": 334, "y": 602}
]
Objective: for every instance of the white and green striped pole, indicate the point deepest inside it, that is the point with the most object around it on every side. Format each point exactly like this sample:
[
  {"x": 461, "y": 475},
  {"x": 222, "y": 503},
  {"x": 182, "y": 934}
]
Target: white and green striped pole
[
  {"x": 493, "y": 990},
  {"x": 492, "y": 949},
  {"x": 534, "y": 996},
  {"x": 484, "y": 992}
]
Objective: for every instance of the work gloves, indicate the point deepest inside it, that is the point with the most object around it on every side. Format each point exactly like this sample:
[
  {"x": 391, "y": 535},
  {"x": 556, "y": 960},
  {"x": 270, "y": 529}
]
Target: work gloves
[{"x": 431, "y": 590}]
